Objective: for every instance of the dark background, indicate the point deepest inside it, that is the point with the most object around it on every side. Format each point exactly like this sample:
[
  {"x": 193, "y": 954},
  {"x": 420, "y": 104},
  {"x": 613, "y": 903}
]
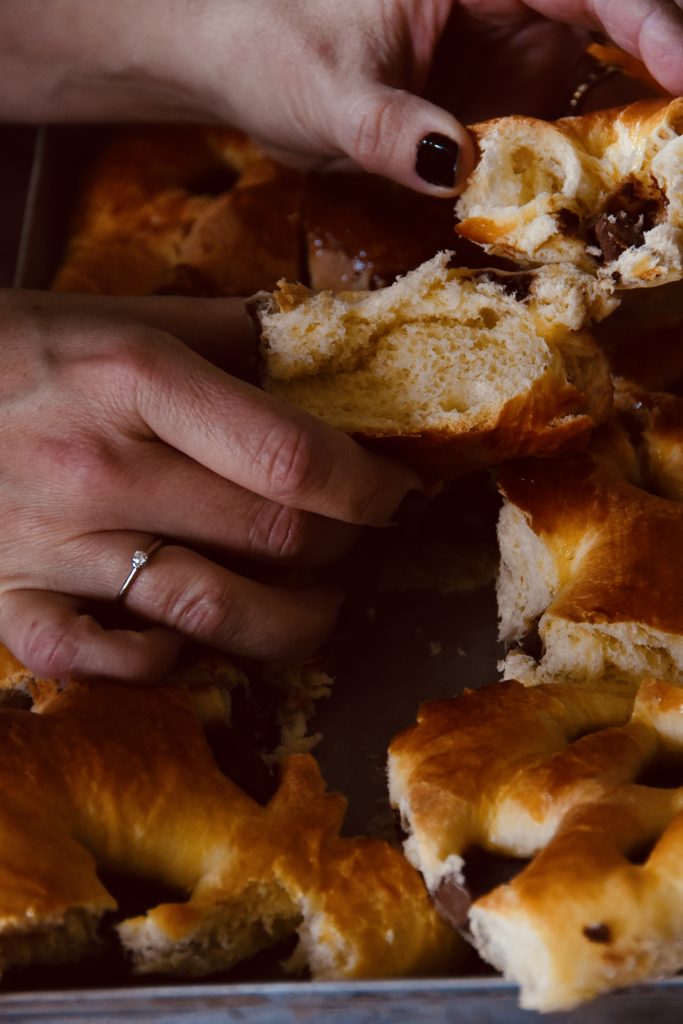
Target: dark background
[{"x": 16, "y": 149}]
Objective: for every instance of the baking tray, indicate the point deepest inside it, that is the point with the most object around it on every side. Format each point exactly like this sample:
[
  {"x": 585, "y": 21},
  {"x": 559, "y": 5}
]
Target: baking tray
[{"x": 419, "y": 623}]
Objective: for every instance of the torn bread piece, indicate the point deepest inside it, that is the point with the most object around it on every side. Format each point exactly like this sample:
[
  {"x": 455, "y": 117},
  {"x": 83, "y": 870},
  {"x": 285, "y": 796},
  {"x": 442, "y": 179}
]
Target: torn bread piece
[
  {"x": 107, "y": 780},
  {"x": 603, "y": 191},
  {"x": 573, "y": 795},
  {"x": 590, "y": 584},
  {"x": 446, "y": 368}
]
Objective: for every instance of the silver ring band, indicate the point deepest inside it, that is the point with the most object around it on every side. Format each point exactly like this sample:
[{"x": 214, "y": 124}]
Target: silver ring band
[
  {"x": 599, "y": 73},
  {"x": 138, "y": 562}
]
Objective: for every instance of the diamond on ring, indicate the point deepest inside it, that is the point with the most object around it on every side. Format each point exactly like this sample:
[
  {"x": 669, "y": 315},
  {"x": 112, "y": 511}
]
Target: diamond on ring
[{"x": 138, "y": 561}]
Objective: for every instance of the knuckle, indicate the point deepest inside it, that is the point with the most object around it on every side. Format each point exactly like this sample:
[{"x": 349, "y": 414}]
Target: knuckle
[
  {"x": 288, "y": 459},
  {"x": 126, "y": 362},
  {"x": 84, "y": 463},
  {"x": 279, "y": 532},
  {"x": 50, "y": 651},
  {"x": 375, "y": 127},
  {"x": 201, "y": 611}
]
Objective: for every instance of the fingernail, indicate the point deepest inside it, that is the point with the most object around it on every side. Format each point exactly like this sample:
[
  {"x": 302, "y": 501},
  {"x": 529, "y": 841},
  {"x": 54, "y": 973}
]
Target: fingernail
[
  {"x": 412, "y": 506},
  {"x": 437, "y": 160}
]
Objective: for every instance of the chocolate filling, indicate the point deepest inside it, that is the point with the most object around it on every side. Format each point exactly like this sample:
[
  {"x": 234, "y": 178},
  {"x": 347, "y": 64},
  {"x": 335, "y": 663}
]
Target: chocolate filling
[
  {"x": 598, "y": 933},
  {"x": 631, "y": 211},
  {"x": 453, "y": 901},
  {"x": 568, "y": 222},
  {"x": 483, "y": 871},
  {"x": 516, "y": 284}
]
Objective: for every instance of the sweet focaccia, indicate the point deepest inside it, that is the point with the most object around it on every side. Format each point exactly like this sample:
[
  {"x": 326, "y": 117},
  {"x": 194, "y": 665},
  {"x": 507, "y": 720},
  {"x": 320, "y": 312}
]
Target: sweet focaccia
[
  {"x": 195, "y": 210},
  {"x": 446, "y": 368},
  {"x": 184, "y": 210},
  {"x": 654, "y": 420},
  {"x": 603, "y": 191},
  {"x": 580, "y": 783},
  {"x": 591, "y": 566},
  {"x": 100, "y": 779}
]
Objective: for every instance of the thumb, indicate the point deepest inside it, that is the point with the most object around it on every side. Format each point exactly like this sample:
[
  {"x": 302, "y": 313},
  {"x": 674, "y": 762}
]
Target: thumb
[{"x": 401, "y": 136}]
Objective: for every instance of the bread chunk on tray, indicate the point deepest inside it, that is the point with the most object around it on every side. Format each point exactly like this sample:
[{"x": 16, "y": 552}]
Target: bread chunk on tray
[
  {"x": 101, "y": 778},
  {"x": 603, "y": 191},
  {"x": 654, "y": 420},
  {"x": 591, "y": 572},
  {"x": 582, "y": 788},
  {"x": 447, "y": 368}
]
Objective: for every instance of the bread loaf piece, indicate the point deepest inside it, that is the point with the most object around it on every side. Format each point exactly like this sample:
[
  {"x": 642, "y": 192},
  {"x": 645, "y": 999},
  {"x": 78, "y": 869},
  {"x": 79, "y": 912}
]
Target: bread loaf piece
[
  {"x": 655, "y": 422},
  {"x": 590, "y": 586},
  {"x": 101, "y": 778},
  {"x": 447, "y": 368},
  {"x": 569, "y": 790},
  {"x": 182, "y": 210},
  {"x": 603, "y": 191}
]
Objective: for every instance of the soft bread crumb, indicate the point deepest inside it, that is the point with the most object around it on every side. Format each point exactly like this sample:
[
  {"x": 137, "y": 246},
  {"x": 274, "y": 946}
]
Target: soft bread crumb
[
  {"x": 603, "y": 191},
  {"x": 446, "y": 354}
]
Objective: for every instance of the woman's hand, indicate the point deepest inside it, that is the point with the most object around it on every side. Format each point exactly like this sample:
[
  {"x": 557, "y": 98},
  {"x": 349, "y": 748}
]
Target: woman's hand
[
  {"x": 115, "y": 433},
  {"x": 319, "y": 80},
  {"x": 316, "y": 80},
  {"x": 371, "y": 79}
]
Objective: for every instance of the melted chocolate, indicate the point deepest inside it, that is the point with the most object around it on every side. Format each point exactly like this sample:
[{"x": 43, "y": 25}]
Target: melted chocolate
[
  {"x": 628, "y": 214},
  {"x": 598, "y": 933},
  {"x": 617, "y": 232},
  {"x": 453, "y": 901},
  {"x": 568, "y": 222},
  {"x": 483, "y": 871},
  {"x": 518, "y": 285}
]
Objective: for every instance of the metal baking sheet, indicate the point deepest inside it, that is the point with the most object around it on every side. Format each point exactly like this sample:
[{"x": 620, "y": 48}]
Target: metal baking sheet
[{"x": 419, "y": 622}]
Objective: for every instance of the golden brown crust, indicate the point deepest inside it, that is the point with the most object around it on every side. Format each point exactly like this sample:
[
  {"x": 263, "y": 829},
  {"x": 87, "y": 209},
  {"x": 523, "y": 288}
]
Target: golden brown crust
[
  {"x": 629, "y": 65},
  {"x": 160, "y": 200},
  {"x": 554, "y": 773},
  {"x": 396, "y": 368},
  {"x": 546, "y": 423},
  {"x": 655, "y": 422},
  {"x": 596, "y": 189},
  {"x": 103, "y": 777},
  {"x": 631, "y": 541},
  {"x": 362, "y": 232}
]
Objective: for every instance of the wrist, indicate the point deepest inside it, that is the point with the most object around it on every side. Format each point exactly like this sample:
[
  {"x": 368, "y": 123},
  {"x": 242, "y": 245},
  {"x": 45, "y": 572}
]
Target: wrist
[{"x": 82, "y": 60}]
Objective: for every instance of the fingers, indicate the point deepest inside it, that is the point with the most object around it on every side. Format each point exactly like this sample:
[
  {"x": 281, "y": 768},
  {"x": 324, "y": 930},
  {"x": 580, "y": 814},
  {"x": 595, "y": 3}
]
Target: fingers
[
  {"x": 172, "y": 496},
  {"x": 401, "y": 136},
  {"x": 166, "y": 494},
  {"x": 210, "y": 604},
  {"x": 651, "y": 30},
  {"x": 179, "y": 589},
  {"x": 52, "y": 638},
  {"x": 219, "y": 329},
  {"x": 264, "y": 445}
]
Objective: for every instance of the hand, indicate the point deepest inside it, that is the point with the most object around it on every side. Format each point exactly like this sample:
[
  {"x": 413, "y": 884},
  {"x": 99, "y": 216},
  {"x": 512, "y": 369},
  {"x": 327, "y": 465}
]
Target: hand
[
  {"x": 369, "y": 79},
  {"x": 317, "y": 81},
  {"x": 115, "y": 433}
]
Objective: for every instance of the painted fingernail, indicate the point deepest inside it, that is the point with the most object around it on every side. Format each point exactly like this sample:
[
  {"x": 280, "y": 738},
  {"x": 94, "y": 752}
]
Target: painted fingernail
[{"x": 437, "y": 160}]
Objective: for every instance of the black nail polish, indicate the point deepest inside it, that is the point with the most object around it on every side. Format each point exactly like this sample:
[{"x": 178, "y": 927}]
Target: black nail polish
[{"x": 437, "y": 159}]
